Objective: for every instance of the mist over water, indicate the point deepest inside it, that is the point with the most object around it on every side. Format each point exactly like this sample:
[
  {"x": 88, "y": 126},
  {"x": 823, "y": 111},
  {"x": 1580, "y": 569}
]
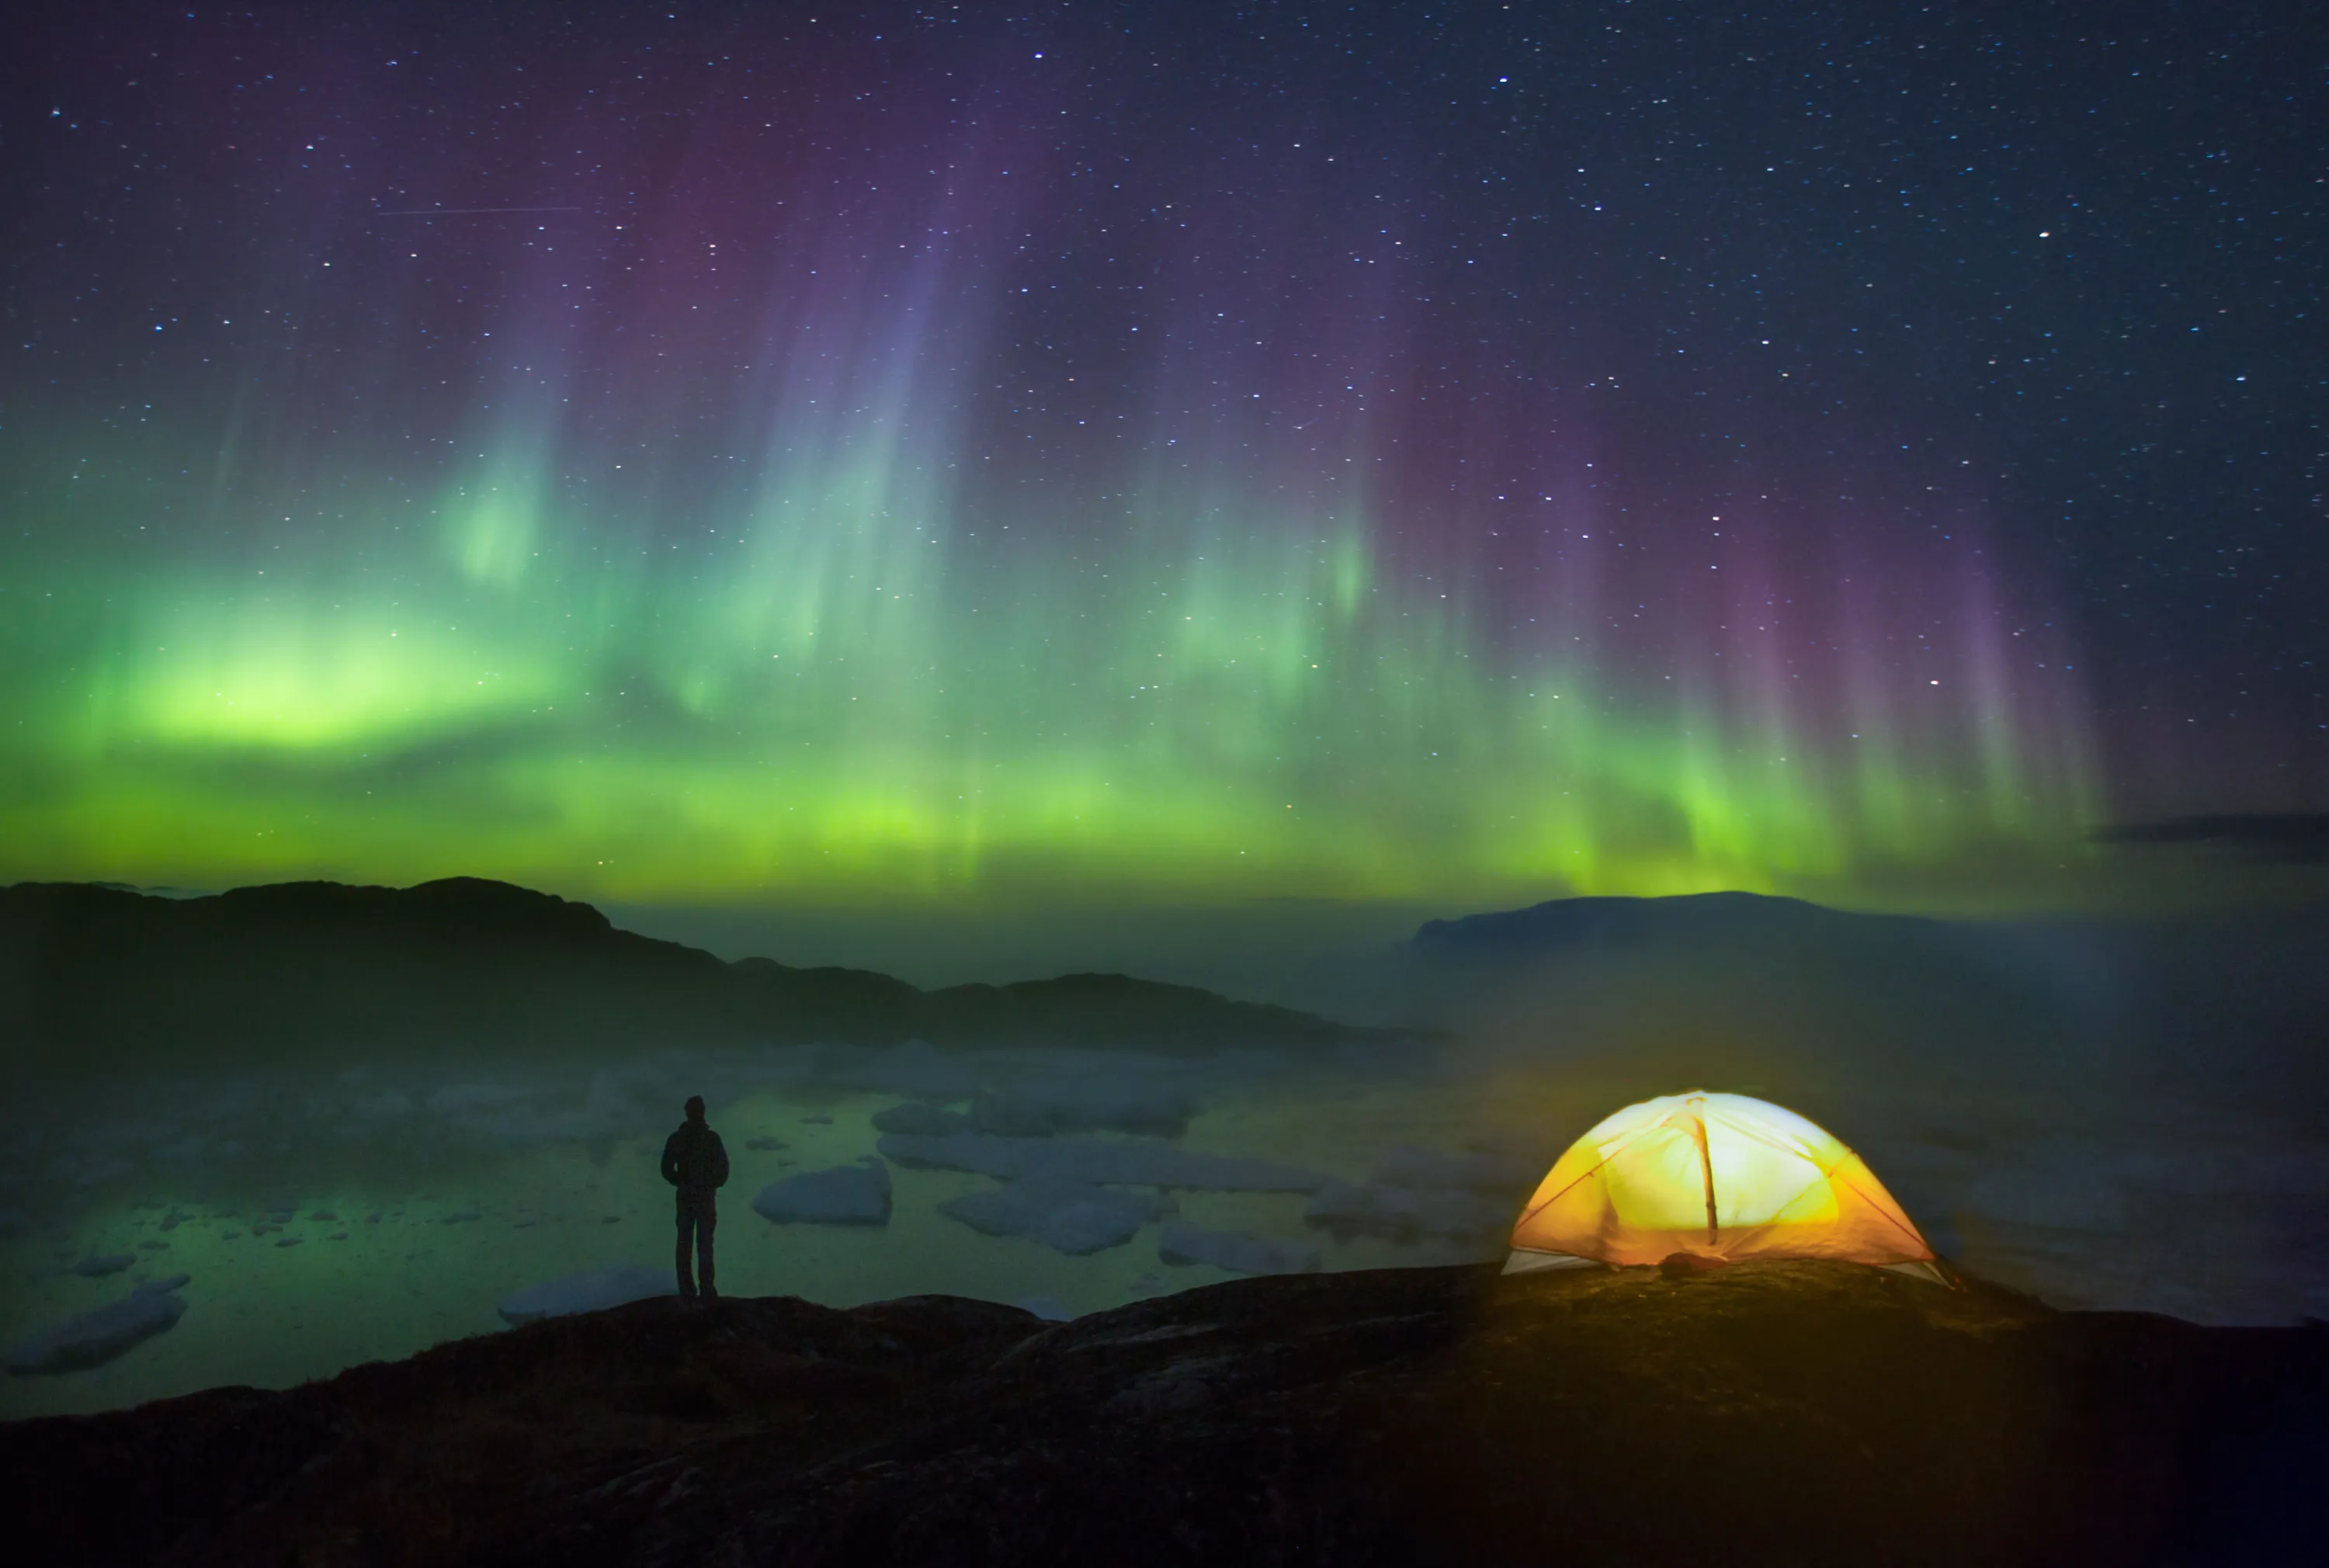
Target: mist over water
[{"x": 2107, "y": 1115}]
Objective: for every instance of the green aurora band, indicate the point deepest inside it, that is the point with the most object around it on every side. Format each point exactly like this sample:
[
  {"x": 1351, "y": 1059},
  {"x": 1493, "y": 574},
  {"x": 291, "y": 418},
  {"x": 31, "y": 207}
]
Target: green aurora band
[
  {"x": 844, "y": 691},
  {"x": 804, "y": 542}
]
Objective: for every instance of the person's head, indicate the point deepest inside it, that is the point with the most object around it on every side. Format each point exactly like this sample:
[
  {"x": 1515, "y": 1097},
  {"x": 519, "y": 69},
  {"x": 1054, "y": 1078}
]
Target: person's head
[{"x": 695, "y": 1107}]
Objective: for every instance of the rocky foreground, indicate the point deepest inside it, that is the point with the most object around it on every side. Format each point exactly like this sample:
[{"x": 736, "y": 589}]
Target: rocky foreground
[{"x": 1772, "y": 1412}]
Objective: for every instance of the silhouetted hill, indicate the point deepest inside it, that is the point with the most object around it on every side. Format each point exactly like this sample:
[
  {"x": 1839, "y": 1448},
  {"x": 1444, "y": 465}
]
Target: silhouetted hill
[
  {"x": 1794, "y": 996},
  {"x": 1566, "y": 924},
  {"x": 1749, "y": 989},
  {"x": 1773, "y": 1412},
  {"x": 94, "y": 978}
]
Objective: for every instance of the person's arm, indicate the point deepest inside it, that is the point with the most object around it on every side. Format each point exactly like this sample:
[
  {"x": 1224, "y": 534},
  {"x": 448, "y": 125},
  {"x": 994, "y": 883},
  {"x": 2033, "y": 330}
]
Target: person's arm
[
  {"x": 719, "y": 1161},
  {"x": 670, "y": 1159}
]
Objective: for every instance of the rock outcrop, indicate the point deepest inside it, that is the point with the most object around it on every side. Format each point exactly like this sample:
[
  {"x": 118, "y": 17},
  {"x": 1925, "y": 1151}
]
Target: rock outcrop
[{"x": 1767, "y": 1412}]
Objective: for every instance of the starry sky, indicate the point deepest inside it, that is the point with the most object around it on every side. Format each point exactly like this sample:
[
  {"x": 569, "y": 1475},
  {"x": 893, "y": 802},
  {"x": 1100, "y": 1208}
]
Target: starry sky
[{"x": 964, "y": 455}]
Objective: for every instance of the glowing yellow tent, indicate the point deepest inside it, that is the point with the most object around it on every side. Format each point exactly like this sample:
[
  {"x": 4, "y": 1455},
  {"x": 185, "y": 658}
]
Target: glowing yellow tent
[{"x": 1718, "y": 1176}]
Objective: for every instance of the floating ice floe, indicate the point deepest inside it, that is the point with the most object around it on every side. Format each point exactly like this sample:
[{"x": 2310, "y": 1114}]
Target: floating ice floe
[
  {"x": 915, "y": 1068},
  {"x": 1429, "y": 1170},
  {"x": 1044, "y": 1110},
  {"x": 1065, "y": 1217},
  {"x": 855, "y": 1194},
  {"x": 94, "y": 1338},
  {"x": 96, "y": 1265},
  {"x": 1404, "y": 1212},
  {"x": 2060, "y": 1198},
  {"x": 1182, "y": 1244},
  {"x": 590, "y": 1290},
  {"x": 920, "y": 1121},
  {"x": 1096, "y": 1162}
]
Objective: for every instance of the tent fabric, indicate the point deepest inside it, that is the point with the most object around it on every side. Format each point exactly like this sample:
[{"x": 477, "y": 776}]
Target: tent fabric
[{"x": 1715, "y": 1176}]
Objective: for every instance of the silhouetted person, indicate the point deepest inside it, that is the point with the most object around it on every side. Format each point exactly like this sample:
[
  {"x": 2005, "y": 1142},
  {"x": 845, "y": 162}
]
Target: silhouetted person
[{"x": 695, "y": 1162}]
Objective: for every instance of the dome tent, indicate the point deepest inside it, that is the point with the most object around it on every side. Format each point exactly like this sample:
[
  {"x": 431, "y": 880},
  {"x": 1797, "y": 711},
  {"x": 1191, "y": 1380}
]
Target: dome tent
[{"x": 1718, "y": 1176}]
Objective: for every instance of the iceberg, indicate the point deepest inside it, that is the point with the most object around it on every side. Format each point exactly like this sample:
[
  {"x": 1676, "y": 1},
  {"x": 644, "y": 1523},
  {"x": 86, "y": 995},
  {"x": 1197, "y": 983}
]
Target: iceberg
[
  {"x": 1064, "y": 1215},
  {"x": 590, "y": 1290},
  {"x": 1096, "y": 1162},
  {"x": 1182, "y": 1243},
  {"x": 855, "y": 1194},
  {"x": 94, "y": 1338}
]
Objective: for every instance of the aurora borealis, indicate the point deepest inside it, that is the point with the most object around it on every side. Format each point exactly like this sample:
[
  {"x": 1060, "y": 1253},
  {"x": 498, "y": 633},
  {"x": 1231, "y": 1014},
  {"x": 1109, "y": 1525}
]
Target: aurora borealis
[{"x": 1173, "y": 453}]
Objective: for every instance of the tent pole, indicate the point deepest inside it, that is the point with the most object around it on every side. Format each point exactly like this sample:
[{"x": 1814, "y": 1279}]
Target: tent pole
[{"x": 1706, "y": 1165}]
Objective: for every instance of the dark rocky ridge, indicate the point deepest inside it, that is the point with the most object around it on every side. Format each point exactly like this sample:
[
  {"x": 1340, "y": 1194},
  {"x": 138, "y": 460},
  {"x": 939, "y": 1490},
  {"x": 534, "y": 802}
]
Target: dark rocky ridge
[
  {"x": 95, "y": 979},
  {"x": 1772, "y": 1412}
]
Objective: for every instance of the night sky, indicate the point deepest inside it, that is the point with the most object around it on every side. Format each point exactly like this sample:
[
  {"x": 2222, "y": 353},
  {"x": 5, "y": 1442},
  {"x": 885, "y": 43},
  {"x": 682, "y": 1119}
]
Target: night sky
[{"x": 1159, "y": 452}]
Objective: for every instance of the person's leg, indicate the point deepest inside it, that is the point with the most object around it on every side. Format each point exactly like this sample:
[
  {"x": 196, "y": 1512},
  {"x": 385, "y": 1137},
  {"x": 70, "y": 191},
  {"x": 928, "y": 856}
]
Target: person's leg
[
  {"x": 705, "y": 1222},
  {"x": 686, "y": 1224}
]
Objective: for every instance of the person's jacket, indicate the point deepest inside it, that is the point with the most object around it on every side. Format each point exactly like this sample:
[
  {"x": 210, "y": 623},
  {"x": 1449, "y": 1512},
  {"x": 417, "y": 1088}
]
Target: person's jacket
[{"x": 693, "y": 1157}]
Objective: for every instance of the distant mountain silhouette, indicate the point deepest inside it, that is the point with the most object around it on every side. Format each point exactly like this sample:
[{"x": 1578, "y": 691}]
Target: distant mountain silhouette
[
  {"x": 93, "y": 978},
  {"x": 2300, "y": 837},
  {"x": 1691, "y": 918}
]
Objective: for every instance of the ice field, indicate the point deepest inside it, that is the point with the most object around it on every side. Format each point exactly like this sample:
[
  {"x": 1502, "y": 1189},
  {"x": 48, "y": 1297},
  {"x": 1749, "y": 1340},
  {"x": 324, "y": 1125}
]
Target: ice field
[{"x": 323, "y": 1221}]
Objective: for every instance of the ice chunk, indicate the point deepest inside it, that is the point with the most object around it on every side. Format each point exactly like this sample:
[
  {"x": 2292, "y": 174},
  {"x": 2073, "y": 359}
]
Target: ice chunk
[
  {"x": 1400, "y": 1211},
  {"x": 1427, "y": 1169},
  {"x": 855, "y": 1194},
  {"x": 1078, "y": 1107},
  {"x": 915, "y": 1068},
  {"x": 1179, "y": 1243},
  {"x": 96, "y": 1265},
  {"x": 94, "y": 1338},
  {"x": 588, "y": 1291},
  {"x": 922, "y": 1121},
  {"x": 2060, "y": 1198},
  {"x": 1097, "y": 1162},
  {"x": 1065, "y": 1217},
  {"x": 104, "y": 1170},
  {"x": 766, "y": 1145},
  {"x": 463, "y": 1099}
]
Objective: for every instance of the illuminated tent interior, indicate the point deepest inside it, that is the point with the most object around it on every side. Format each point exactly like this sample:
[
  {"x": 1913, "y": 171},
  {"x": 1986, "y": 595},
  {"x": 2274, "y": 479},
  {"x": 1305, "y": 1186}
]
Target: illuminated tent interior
[{"x": 1718, "y": 1176}]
